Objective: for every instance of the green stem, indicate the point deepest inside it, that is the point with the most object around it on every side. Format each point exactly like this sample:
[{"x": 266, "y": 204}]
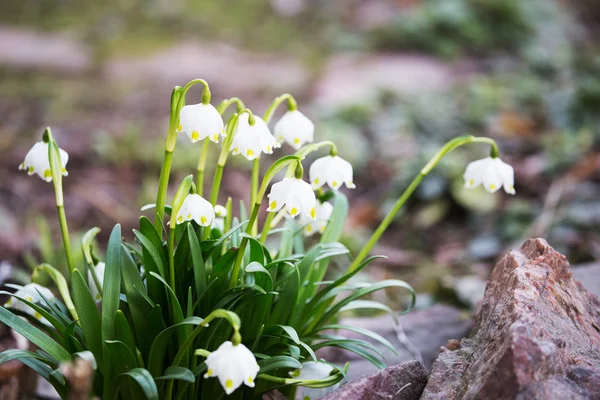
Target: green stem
[
  {"x": 292, "y": 106},
  {"x": 163, "y": 182},
  {"x": 172, "y": 258},
  {"x": 448, "y": 147},
  {"x": 64, "y": 230},
  {"x": 224, "y": 105},
  {"x": 254, "y": 187},
  {"x": 266, "y": 228},
  {"x": 201, "y": 168},
  {"x": 240, "y": 256}
]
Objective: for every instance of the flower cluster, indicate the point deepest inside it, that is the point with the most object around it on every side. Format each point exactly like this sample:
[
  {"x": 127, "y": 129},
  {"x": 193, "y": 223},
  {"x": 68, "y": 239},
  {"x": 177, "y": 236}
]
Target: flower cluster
[{"x": 146, "y": 312}]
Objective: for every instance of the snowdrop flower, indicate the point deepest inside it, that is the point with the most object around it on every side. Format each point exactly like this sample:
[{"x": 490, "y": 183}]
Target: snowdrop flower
[
  {"x": 37, "y": 161},
  {"x": 33, "y": 293},
  {"x": 197, "y": 208},
  {"x": 323, "y": 213},
  {"x": 99, "y": 269},
  {"x": 220, "y": 214},
  {"x": 493, "y": 173},
  {"x": 233, "y": 365},
  {"x": 332, "y": 170},
  {"x": 200, "y": 121},
  {"x": 295, "y": 129},
  {"x": 296, "y": 195},
  {"x": 312, "y": 371},
  {"x": 251, "y": 140}
]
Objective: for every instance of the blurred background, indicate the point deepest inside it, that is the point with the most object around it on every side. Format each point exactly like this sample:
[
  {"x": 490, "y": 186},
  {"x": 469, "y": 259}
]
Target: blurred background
[{"x": 389, "y": 80}]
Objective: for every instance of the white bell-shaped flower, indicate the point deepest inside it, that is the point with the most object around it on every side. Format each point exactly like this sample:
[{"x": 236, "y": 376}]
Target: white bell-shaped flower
[
  {"x": 200, "y": 121},
  {"x": 233, "y": 365},
  {"x": 312, "y": 371},
  {"x": 31, "y": 292},
  {"x": 219, "y": 221},
  {"x": 332, "y": 170},
  {"x": 295, "y": 129},
  {"x": 99, "y": 270},
  {"x": 493, "y": 173},
  {"x": 197, "y": 208},
  {"x": 297, "y": 196},
  {"x": 323, "y": 213},
  {"x": 37, "y": 161},
  {"x": 251, "y": 140}
]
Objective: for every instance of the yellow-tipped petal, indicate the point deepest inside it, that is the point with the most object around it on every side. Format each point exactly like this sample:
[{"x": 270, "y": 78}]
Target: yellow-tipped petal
[
  {"x": 229, "y": 384},
  {"x": 293, "y": 211},
  {"x": 195, "y": 136},
  {"x": 203, "y": 220}
]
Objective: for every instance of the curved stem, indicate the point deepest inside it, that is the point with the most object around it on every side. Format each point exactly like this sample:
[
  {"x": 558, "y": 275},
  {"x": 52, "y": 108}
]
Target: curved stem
[
  {"x": 292, "y": 106},
  {"x": 448, "y": 147},
  {"x": 225, "y": 104},
  {"x": 163, "y": 182},
  {"x": 201, "y": 168}
]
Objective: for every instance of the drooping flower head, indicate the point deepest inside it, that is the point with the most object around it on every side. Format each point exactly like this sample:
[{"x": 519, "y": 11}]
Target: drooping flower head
[
  {"x": 332, "y": 170},
  {"x": 296, "y": 195},
  {"x": 37, "y": 161},
  {"x": 312, "y": 371},
  {"x": 232, "y": 365},
  {"x": 220, "y": 214},
  {"x": 493, "y": 173},
  {"x": 251, "y": 140},
  {"x": 99, "y": 270},
  {"x": 323, "y": 213},
  {"x": 200, "y": 121},
  {"x": 33, "y": 293},
  {"x": 295, "y": 129},
  {"x": 197, "y": 208}
]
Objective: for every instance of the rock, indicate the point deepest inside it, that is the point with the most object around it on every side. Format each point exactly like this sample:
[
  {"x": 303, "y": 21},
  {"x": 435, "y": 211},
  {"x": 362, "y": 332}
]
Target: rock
[
  {"x": 537, "y": 336},
  {"x": 422, "y": 333},
  {"x": 400, "y": 382}
]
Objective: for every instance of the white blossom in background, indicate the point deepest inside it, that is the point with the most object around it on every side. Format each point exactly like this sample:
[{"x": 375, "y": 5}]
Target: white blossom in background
[
  {"x": 295, "y": 129},
  {"x": 312, "y": 371},
  {"x": 492, "y": 173},
  {"x": 37, "y": 161},
  {"x": 251, "y": 140},
  {"x": 220, "y": 214},
  {"x": 296, "y": 195},
  {"x": 31, "y": 292},
  {"x": 99, "y": 269},
  {"x": 332, "y": 170},
  {"x": 232, "y": 365},
  {"x": 201, "y": 121},
  {"x": 197, "y": 208},
  {"x": 322, "y": 213}
]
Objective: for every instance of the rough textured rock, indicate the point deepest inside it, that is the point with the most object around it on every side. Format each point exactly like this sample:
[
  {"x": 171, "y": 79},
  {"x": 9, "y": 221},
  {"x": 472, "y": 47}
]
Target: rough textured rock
[
  {"x": 419, "y": 336},
  {"x": 400, "y": 382},
  {"x": 537, "y": 336}
]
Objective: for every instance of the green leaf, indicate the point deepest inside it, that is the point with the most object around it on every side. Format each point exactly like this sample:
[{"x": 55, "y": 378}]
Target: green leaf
[
  {"x": 60, "y": 327},
  {"x": 140, "y": 376},
  {"x": 86, "y": 244},
  {"x": 16, "y": 354},
  {"x": 34, "y": 335},
  {"x": 178, "y": 373},
  {"x": 159, "y": 345},
  {"x": 200, "y": 277},
  {"x": 62, "y": 286},
  {"x": 152, "y": 250},
  {"x": 366, "y": 332},
  {"x": 123, "y": 332},
  {"x": 286, "y": 302},
  {"x": 139, "y": 307},
  {"x": 222, "y": 239},
  {"x": 121, "y": 357},
  {"x": 88, "y": 315},
  {"x": 155, "y": 289},
  {"x": 277, "y": 362},
  {"x": 112, "y": 284},
  {"x": 48, "y": 374}
]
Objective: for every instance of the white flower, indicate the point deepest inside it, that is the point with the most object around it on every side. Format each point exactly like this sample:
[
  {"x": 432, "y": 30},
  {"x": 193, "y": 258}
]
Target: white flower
[
  {"x": 37, "y": 161},
  {"x": 99, "y": 269},
  {"x": 197, "y": 208},
  {"x": 323, "y": 213},
  {"x": 295, "y": 129},
  {"x": 251, "y": 140},
  {"x": 297, "y": 196},
  {"x": 200, "y": 121},
  {"x": 233, "y": 365},
  {"x": 31, "y": 292},
  {"x": 493, "y": 173},
  {"x": 332, "y": 170},
  {"x": 220, "y": 214},
  {"x": 312, "y": 371}
]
